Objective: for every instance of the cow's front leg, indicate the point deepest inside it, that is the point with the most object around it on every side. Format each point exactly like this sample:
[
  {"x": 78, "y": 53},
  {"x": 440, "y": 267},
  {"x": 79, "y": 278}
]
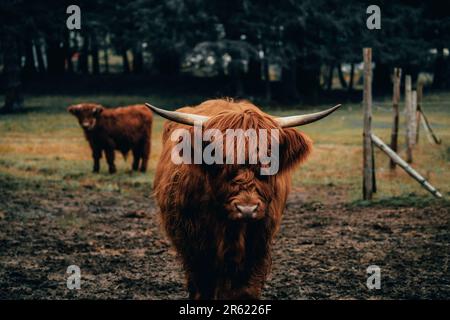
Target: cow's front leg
[
  {"x": 243, "y": 293},
  {"x": 145, "y": 154},
  {"x": 244, "y": 286},
  {"x": 96, "y": 155},
  {"x": 110, "y": 159},
  {"x": 194, "y": 294},
  {"x": 201, "y": 285},
  {"x": 136, "y": 158}
]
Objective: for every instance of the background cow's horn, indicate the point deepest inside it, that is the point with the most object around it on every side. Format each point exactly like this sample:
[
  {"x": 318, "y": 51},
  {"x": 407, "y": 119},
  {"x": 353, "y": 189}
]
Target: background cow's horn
[
  {"x": 294, "y": 121},
  {"x": 180, "y": 117}
]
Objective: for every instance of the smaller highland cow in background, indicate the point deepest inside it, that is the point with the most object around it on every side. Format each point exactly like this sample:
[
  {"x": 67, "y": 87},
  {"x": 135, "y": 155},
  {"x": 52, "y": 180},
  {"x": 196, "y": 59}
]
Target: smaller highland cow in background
[{"x": 122, "y": 129}]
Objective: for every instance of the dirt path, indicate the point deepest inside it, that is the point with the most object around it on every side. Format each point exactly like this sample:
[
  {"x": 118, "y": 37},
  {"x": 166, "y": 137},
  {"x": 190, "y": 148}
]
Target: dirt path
[{"x": 321, "y": 252}]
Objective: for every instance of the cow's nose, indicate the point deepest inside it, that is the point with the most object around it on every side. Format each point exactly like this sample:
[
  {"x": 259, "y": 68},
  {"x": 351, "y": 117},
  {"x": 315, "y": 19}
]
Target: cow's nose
[{"x": 247, "y": 211}]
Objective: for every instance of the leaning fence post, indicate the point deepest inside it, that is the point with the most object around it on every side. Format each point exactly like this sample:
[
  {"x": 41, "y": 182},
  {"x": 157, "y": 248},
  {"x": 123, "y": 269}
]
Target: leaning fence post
[
  {"x": 368, "y": 172},
  {"x": 427, "y": 126},
  {"x": 395, "y": 102},
  {"x": 407, "y": 116},
  {"x": 413, "y": 173}
]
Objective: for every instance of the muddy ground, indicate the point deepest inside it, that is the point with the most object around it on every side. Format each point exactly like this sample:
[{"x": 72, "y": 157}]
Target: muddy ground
[{"x": 321, "y": 252}]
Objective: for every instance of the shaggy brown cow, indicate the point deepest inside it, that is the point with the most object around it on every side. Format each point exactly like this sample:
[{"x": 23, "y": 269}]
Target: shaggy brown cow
[
  {"x": 222, "y": 218},
  {"x": 123, "y": 129}
]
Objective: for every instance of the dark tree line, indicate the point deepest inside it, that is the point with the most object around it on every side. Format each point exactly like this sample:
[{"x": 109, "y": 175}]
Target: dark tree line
[{"x": 303, "y": 37}]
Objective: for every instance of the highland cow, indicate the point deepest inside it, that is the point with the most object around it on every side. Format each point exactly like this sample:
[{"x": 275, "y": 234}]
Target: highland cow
[
  {"x": 123, "y": 129},
  {"x": 222, "y": 218}
]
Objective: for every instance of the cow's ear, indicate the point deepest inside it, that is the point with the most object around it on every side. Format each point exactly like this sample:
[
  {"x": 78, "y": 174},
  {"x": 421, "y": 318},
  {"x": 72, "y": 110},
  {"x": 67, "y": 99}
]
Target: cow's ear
[
  {"x": 295, "y": 147},
  {"x": 73, "y": 109},
  {"x": 97, "y": 110}
]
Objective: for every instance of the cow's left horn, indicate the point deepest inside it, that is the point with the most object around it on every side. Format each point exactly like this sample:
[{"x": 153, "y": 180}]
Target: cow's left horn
[
  {"x": 294, "y": 121},
  {"x": 180, "y": 117}
]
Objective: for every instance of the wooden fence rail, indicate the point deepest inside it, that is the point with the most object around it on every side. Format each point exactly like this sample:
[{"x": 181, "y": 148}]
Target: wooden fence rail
[{"x": 403, "y": 164}]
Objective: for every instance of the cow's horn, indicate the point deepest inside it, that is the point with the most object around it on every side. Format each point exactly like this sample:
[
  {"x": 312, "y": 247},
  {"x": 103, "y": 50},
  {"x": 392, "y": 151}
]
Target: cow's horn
[
  {"x": 180, "y": 117},
  {"x": 294, "y": 121}
]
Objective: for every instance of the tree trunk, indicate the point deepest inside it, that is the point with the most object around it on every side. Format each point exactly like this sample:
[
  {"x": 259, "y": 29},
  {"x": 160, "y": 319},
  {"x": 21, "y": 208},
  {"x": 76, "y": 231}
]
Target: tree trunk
[
  {"x": 68, "y": 53},
  {"x": 352, "y": 76},
  {"x": 439, "y": 69},
  {"x": 126, "y": 63},
  {"x": 40, "y": 57},
  {"x": 330, "y": 77},
  {"x": 341, "y": 77},
  {"x": 236, "y": 75},
  {"x": 382, "y": 77},
  {"x": 167, "y": 62},
  {"x": 11, "y": 60},
  {"x": 29, "y": 68},
  {"x": 267, "y": 87},
  {"x": 138, "y": 59},
  {"x": 308, "y": 78},
  {"x": 83, "y": 62},
  {"x": 106, "y": 59},
  {"x": 95, "y": 57},
  {"x": 290, "y": 82},
  {"x": 239, "y": 85},
  {"x": 55, "y": 57}
]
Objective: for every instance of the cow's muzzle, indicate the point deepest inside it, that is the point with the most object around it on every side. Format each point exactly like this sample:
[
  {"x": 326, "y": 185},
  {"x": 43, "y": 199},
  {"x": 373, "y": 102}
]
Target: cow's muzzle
[{"x": 247, "y": 211}]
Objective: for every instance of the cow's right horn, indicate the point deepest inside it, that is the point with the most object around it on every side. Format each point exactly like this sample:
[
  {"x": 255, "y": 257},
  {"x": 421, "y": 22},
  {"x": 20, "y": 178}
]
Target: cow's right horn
[
  {"x": 180, "y": 117},
  {"x": 294, "y": 121}
]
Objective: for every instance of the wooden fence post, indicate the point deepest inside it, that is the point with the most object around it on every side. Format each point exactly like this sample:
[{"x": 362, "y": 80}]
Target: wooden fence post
[
  {"x": 419, "y": 108},
  {"x": 395, "y": 102},
  {"x": 368, "y": 172},
  {"x": 407, "y": 116},
  {"x": 413, "y": 117}
]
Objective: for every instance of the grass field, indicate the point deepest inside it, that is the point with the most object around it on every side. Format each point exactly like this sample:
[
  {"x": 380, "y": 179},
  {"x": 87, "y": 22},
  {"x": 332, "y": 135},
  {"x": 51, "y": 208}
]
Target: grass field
[{"x": 44, "y": 144}]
